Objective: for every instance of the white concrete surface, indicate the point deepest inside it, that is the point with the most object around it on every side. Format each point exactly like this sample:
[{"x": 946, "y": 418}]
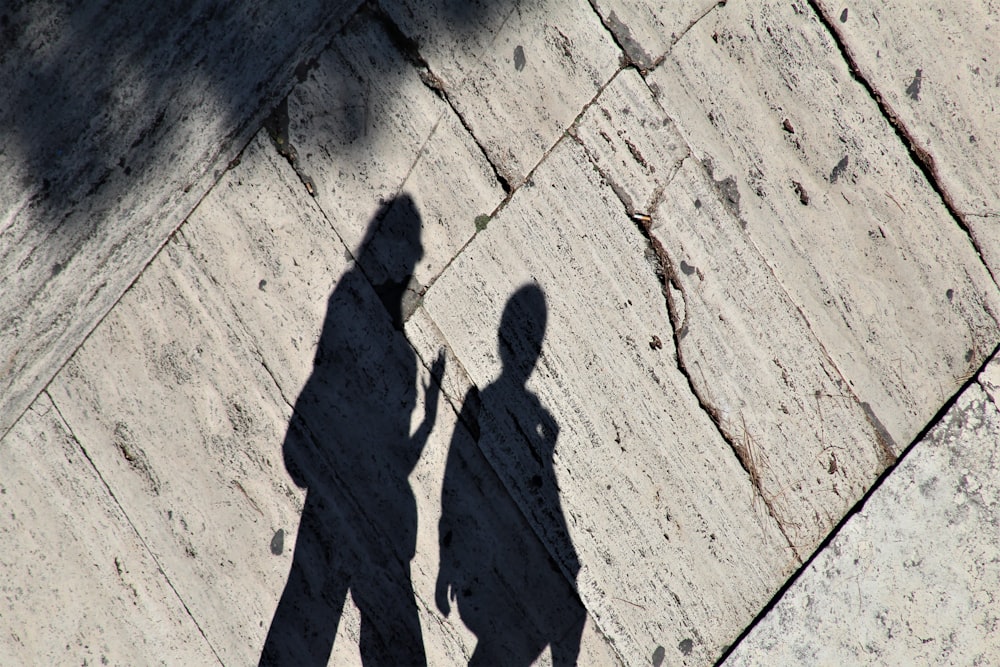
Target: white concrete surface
[
  {"x": 912, "y": 577},
  {"x": 753, "y": 296}
]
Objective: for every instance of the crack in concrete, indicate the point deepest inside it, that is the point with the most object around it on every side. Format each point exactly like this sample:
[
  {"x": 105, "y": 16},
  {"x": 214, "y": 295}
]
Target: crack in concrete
[
  {"x": 267, "y": 369},
  {"x": 131, "y": 524},
  {"x": 411, "y": 53},
  {"x": 674, "y": 296},
  {"x": 858, "y": 507},
  {"x": 721, "y": 3},
  {"x": 884, "y": 442},
  {"x": 920, "y": 156},
  {"x": 671, "y": 287}
]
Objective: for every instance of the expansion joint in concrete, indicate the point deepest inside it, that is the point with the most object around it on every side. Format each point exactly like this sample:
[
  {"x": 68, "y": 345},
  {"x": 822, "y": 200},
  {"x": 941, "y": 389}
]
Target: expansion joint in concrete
[
  {"x": 920, "y": 156},
  {"x": 411, "y": 52}
]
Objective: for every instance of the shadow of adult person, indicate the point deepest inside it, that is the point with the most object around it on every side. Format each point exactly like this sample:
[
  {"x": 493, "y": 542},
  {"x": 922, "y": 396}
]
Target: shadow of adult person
[
  {"x": 349, "y": 445},
  {"x": 508, "y": 589}
]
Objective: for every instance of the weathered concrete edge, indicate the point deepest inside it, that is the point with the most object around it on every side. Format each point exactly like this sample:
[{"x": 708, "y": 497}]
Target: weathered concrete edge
[{"x": 858, "y": 507}]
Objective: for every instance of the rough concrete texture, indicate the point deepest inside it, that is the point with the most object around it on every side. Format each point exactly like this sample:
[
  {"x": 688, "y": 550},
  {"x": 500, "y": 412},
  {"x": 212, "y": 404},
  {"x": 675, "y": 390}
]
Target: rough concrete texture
[
  {"x": 912, "y": 577},
  {"x": 645, "y": 31},
  {"x": 544, "y": 63},
  {"x": 659, "y": 510},
  {"x": 79, "y": 589},
  {"x": 494, "y": 343},
  {"x": 934, "y": 67},
  {"x": 114, "y": 124},
  {"x": 366, "y": 126},
  {"x": 763, "y": 391},
  {"x": 889, "y": 282},
  {"x": 223, "y": 527}
]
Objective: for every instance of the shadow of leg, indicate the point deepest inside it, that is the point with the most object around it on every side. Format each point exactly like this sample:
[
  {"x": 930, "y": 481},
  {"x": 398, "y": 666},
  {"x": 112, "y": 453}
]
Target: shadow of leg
[
  {"x": 305, "y": 622},
  {"x": 390, "y": 624}
]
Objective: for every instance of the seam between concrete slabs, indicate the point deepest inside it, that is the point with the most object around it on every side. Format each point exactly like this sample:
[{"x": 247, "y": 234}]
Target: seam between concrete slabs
[
  {"x": 884, "y": 443},
  {"x": 920, "y": 156},
  {"x": 859, "y": 506},
  {"x": 242, "y": 136},
  {"x": 131, "y": 524}
]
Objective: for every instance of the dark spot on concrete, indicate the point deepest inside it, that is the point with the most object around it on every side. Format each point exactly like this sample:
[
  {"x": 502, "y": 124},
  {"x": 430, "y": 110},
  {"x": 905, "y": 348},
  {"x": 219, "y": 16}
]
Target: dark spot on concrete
[
  {"x": 57, "y": 269},
  {"x": 262, "y": 284},
  {"x": 686, "y": 647},
  {"x": 786, "y": 125},
  {"x": 687, "y": 268},
  {"x": 972, "y": 138},
  {"x": 519, "y": 59},
  {"x": 801, "y": 192},
  {"x": 730, "y": 193},
  {"x": 304, "y": 67},
  {"x": 969, "y": 355},
  {"x": 843, "y": 16},
  {"x": 839, "y": 170},
  {"x": 885, "y": 442},
  {"x": 633, "y": 50},
  {"x": 278, "y": 542},
  {"x": 913, "y": 90},
  {"x": 658, "y": 655},
  {"x": 697, "y": 203},
  {"x": 950, "y": 294},
  {"x": 637, "y": 156}
]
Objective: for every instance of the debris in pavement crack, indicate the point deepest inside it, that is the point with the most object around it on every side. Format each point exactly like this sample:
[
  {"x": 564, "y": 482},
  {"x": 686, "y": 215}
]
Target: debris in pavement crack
[
  {"x": 277, "y": 128},
  {"x": 746, "y": 453}
]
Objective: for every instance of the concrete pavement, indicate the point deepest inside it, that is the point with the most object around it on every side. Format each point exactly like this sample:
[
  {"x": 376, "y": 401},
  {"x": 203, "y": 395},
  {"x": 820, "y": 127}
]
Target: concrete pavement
[{"x": 755, "y": 279}]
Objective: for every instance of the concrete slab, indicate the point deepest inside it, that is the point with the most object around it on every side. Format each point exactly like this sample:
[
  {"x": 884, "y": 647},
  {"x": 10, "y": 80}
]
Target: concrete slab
[
  {"x": 228, "y": 532},
  {"x": 657, "y": 517},
  {"x": 647, "y": 30},
  {"x": 543, "y": 63},
  {"x": 934, "y": 67},
  {"x": 115, "y": 122},
  {"x": 760, "y": 372},
  {"x": 79, "y": 587},
  {"x": 889, "y": 283},
  {"x": 911, "y": 578},
  {"x": 365, "y": 126}
]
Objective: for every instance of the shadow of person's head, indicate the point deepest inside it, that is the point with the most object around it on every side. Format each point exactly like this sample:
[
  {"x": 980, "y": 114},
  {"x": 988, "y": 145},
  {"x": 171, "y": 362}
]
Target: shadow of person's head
[
  {"x": 522, "y": 330},
  {"x": 389, "y": 254}
]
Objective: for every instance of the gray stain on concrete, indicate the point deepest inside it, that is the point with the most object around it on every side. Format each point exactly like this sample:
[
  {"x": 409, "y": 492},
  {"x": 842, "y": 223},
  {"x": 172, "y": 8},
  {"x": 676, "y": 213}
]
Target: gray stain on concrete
[
  {"x": 278, "y": 542},
  {"x": 633, "y": 50},
  {"x": 519, "y": 59},
  {"x": 839, "y": 170},
  {"x": 913, "y": 90}
]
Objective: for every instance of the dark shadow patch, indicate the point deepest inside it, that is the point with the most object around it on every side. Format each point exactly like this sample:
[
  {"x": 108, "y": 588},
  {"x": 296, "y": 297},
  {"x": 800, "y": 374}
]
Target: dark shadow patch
[
  {"x": 913, "y": 90},
  {"x": 517, "y": 597},
  {"x": 349, "y": 444}
]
